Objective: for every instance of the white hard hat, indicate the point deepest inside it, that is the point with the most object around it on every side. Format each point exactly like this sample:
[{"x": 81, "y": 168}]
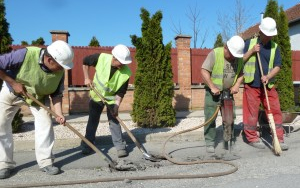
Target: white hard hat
[
  {"x": 62, "y": 53},
  {"x": 122, "y": 53},
  {"x": 268, "y": 26},
  {"x": 236, "y": 46}
]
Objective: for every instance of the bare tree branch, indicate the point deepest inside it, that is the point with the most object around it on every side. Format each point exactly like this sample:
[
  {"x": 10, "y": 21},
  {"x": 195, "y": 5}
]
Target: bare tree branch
[
  {"x": 203, "y": 38},
  {"x": 194, "y": 16},
  {"x": 226, "y": 28},
  {"x": 175, "y": 29},
  {"x": 235, "y": 23}
]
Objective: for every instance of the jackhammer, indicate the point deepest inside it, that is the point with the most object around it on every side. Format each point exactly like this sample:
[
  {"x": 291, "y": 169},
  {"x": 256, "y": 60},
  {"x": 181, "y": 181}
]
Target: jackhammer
[{"x": 227, "y": 112}]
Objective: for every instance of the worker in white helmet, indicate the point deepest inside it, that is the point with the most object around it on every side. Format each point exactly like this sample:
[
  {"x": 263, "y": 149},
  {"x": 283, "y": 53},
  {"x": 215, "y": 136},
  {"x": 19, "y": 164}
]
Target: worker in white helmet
[
  {"x": 254, "y": 80},
  {"x": 111, "y": 80},
  {"x": 222, "y": 74},
  {"x": 40, "y": 72}
]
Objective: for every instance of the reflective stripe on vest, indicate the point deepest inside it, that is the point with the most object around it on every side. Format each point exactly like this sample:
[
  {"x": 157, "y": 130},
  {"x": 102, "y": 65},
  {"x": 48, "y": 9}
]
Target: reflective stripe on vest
[
  {"x": 218, "y": 69},
  {"x": 108, "y": 87},
  {"x": 249, "y": 68},
  {"x": 37, "y": 82}
]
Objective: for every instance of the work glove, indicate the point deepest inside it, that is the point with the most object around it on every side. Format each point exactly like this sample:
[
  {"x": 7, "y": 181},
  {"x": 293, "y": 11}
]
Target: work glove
[{"x": 115, "y": 110}]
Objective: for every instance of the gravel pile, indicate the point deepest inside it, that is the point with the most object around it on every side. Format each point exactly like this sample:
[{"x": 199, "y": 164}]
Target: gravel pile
[{"x": 61, "y": 132}]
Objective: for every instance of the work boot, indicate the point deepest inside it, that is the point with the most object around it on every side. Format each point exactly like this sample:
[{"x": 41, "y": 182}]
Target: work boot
[
  {"x": 4, "y": 173},
  {"x": 210, "y": 149},
  {"x": 284, "y": 146},
  {"x": 258, "y": 145},
  {"x": 50, "y": 170},
  {"x": 122, "y": 153},
  {"x": 86, "y": 151}
]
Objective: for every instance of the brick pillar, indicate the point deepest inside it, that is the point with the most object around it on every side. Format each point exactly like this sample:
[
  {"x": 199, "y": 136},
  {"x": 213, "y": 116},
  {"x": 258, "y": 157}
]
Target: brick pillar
[
  {"x": 63, "y": 35},
  {"x": 184, "y": 71},
  {"x": 60, "y": 35}
]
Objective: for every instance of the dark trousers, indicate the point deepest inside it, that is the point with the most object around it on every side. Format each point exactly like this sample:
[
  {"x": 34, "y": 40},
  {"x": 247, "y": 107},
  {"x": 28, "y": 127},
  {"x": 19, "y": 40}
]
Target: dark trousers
[{"x": 95, "y": 110}]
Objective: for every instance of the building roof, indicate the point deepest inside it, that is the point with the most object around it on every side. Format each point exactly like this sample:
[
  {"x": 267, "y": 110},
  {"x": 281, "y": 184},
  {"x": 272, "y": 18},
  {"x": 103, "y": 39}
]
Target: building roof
[{"x": 293, "y": 15}]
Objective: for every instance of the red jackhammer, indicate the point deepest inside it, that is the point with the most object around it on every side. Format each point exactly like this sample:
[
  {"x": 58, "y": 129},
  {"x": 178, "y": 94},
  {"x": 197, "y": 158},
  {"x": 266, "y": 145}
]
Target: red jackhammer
[{"x": 227, "y": 111}]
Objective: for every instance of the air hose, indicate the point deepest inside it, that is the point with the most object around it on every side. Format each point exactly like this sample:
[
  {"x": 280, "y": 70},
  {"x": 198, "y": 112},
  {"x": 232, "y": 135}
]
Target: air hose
[{"x": 200, "y": 161}]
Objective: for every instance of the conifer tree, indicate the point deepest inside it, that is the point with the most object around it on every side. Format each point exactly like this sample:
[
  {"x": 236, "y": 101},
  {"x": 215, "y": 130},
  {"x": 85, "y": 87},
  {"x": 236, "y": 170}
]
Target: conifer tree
[
  {"x": 5, "y": 37},
  {"x": 284, "y": 84},
  {"x": 153, "y": 94},
  {"x": 5, "y": 42},
  {"x": 94, "y": 42},
  {"x": 219, "y": 41}
]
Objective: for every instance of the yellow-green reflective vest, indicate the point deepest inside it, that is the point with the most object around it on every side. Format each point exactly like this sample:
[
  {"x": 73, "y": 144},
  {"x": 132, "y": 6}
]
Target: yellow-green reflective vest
[
  {"x": 108, "y": 87},
  {"x": 249, "y": 68},
  {"x": 218, "y": 69},
  {"x": 37, "y": 82}
]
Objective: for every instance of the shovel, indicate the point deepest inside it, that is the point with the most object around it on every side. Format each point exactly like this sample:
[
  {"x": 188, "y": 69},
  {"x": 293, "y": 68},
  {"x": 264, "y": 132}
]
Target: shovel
[
  {"x": 276, "y": 145},
  {"x": 112, "y": 164},
  {"x": 140, "y": 147}
]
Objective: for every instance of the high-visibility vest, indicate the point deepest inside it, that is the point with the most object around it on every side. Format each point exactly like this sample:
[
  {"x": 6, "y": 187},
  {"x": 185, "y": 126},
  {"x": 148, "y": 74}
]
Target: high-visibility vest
[
  {"x": 249, "y": 68},
  {"x": 37, "y": 82},
  {"x": 218, "y": 69},
  {"x": 108, "y": 87}
]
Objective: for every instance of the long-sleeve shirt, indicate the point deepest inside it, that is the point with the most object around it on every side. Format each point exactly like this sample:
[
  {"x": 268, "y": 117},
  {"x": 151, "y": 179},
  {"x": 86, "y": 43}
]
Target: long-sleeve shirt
[
  {"x": 11, "y": 63},
  {"x": 92, "y": 60}
]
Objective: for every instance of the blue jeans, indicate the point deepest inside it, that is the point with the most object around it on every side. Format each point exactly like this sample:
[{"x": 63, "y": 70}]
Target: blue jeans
[{"x": 95, "y": 110}]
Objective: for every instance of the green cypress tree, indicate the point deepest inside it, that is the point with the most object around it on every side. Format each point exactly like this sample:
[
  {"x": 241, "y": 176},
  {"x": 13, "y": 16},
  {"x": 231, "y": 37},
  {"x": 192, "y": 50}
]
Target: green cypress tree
[
  {"x": 5, "y": 42},
  {"x": 285, "y": 85},
  {"x": 5, "y": 37},
  {"x": 153, "y": 94},
  {"x": 219, "y": 41}
]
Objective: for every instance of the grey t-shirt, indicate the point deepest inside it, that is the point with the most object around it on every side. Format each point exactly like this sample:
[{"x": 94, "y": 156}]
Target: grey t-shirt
[{"x": 230, "y": 69}]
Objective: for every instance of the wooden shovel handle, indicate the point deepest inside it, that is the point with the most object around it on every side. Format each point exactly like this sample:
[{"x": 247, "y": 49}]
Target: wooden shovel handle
[
  {"x": 110, "y": 162},
  {"x": 265, "y": 89}
]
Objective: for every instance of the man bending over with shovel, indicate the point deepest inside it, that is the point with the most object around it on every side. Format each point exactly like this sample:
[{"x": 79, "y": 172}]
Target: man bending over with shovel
[
  {"x": 111, "y": 79},
  {"x": 40, "y": 72}
]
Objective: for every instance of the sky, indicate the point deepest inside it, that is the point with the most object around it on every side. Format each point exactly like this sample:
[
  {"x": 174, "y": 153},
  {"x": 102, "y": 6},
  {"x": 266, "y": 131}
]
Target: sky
[{"x": 113, "y": 21}]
